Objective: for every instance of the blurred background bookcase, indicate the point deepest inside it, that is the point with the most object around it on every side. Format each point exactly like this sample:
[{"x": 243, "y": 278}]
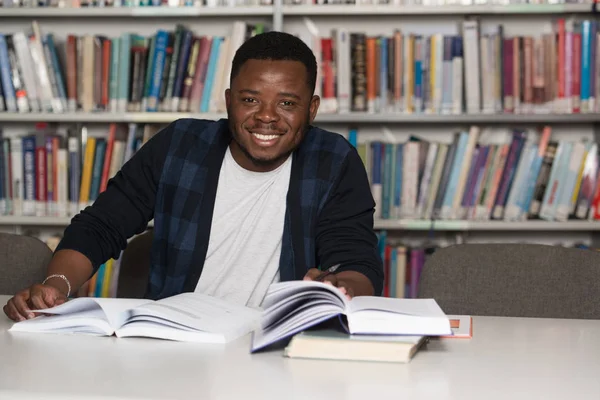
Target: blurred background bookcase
[{"x": 494, "y": 82}]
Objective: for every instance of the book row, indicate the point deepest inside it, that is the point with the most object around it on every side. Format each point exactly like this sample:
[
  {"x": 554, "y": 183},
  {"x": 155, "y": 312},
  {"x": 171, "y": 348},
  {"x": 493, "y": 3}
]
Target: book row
[
  {"x": 129, "y": 3},
  {"x": 403, "y": 264},
  {"x": 484, "y": 175},
  {"x": 180, "y": 71},
  {"x": 175, "y": 71},
  {"x": 57, "y": 174},
  {"x": 474, "y": 72},
  {"x": 104, "y": 282}
]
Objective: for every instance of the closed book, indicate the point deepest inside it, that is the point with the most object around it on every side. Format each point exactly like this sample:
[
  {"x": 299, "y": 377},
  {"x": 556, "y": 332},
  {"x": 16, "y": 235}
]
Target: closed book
[{"x": 331, "y": 344}]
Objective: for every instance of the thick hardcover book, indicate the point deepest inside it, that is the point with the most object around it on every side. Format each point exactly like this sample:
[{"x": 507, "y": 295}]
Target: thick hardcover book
[
  {"x": 188, "y": 317},
  {"x": 293, "y": 307}
]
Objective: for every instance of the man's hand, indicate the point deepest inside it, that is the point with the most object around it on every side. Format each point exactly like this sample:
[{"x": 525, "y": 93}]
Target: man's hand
[
  {"x": 37, "y": 297},
  {"x": 70, "y": 263},
  {"x": 350, "y": 283}
]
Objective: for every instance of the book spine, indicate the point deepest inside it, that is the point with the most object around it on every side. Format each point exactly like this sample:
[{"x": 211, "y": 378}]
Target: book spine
[
  {"x": 10, "y": 100},
  {"x": 158, "y": 63}
]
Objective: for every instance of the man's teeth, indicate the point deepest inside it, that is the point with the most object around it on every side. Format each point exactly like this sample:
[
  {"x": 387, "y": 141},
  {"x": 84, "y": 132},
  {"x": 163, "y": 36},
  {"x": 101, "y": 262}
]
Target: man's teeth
[{"x": 265, "y": 137}]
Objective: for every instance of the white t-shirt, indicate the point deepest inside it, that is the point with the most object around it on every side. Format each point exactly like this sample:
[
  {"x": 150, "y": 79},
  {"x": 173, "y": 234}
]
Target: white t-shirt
[{"x": 243, "y": 253}]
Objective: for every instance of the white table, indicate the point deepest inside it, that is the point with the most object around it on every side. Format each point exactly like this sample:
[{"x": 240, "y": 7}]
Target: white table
[{"x": 507, "y": 358}]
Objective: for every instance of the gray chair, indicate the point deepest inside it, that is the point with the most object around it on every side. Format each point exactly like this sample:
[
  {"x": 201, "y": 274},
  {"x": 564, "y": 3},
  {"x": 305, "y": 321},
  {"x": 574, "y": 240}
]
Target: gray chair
[
  {"x": 518, "y": 280},
  {"x": 23, "y": 262}
]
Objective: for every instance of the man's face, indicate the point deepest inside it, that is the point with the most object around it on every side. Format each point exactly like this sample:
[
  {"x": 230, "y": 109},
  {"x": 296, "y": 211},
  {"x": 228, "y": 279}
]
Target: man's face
[{"x": 269, "y": 106}]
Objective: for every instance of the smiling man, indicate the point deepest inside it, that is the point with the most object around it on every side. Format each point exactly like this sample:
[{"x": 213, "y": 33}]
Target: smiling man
[{"x": 239, "y": 203}]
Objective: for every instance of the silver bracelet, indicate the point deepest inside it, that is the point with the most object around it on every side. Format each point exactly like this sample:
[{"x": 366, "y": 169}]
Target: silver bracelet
[{"x": 63, "y": 278}]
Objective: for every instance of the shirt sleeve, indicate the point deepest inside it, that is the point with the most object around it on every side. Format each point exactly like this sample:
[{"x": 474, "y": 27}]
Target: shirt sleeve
[
  {"x": 344, "y": 232},
  {"x": 101, "y": 230}
]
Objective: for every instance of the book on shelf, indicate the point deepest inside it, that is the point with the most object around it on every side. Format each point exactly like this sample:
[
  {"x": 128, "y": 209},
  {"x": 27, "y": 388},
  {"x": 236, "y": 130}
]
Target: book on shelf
[
  {"x": 292, "y": 307},
  {"x": 173, "y": 70},
  {"x": 188, "y": 317},
  {"x": 474, "y": 71},
  {"x": 484, "y": 174}
]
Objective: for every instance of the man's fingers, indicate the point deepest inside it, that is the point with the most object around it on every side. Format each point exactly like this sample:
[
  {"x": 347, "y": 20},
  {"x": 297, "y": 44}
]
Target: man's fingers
[
  {"x": 346, "y": 289},
  {"x": 330, "y": 279},
  {"x": 53, "y": 298},
  {"x": 37, "y": 301},
  {"x": 18, "y": 309},
  {"x": 312, "y": 274},
  {"x": 11, "y": 312}
]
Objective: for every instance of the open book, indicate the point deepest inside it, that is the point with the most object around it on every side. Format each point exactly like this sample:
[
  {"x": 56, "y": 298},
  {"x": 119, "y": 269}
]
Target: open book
[
  {"x": 190, "y": 317},
  {"x": 292, "y": 307}
]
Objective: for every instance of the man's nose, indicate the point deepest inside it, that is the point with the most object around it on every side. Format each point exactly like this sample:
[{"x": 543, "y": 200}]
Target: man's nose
[{"x": 267, "y": 112}]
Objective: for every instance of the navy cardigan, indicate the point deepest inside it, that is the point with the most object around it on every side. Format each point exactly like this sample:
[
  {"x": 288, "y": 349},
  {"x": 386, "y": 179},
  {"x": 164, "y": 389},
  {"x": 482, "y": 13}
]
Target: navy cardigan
[{"x": 173, "y": 179}]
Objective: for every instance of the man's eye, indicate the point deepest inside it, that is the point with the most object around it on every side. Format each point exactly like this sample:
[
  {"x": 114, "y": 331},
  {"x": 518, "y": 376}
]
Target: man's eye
[
  {"x": 288, "y": 103},
  {"x": 248, "y": 99}
]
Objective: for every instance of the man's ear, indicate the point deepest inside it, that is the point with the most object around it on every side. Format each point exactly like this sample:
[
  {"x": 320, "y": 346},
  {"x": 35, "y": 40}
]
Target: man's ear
[
  {"x": 227, "y": 97},
  {"x": 314, "y": 107}
]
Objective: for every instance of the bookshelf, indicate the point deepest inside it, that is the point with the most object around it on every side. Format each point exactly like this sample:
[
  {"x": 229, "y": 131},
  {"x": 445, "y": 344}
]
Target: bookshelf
[
  {"x": 319, "y": 20},
  {"x": 383, "y": 126}
]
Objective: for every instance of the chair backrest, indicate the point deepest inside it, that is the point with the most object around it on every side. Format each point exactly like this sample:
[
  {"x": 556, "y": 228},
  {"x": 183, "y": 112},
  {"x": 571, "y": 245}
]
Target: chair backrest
[
  {"x": 23, "y": 262},
  {"x": 518, "y": 280},
  {"x": 135, "y": 267}
]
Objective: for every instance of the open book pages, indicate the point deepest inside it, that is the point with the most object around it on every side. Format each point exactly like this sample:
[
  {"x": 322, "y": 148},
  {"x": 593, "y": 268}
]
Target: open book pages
[
  {"x": 292, "y": 307},
  {"x": 190, "y": 317},
  {"x": 330, "y": 344}
]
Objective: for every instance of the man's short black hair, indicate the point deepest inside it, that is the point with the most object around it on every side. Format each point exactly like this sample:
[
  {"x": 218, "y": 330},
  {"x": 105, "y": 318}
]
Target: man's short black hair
[{"x": 276, "y": 46}]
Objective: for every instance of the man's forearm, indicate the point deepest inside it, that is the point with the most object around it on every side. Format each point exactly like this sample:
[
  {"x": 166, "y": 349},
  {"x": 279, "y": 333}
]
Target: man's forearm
[{"x": 76, "y": 267}]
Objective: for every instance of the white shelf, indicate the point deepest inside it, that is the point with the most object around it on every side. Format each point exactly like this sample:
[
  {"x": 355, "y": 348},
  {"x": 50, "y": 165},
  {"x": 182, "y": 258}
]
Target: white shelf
[
  {"x": 34, "y": 221},
  {"x": 150, "y": 12},
  {"x": 290, "y": 10},
  {"x": 166, "y": 117},
  {"x": 62, "y": 222},
  {"x": 343, "y": 10},
  {"x": 150, "y": 117},
  {"x": 408, "y": 225},
  {"x": 533, "y": 225},
  {"x": 462, "y": 118}
]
